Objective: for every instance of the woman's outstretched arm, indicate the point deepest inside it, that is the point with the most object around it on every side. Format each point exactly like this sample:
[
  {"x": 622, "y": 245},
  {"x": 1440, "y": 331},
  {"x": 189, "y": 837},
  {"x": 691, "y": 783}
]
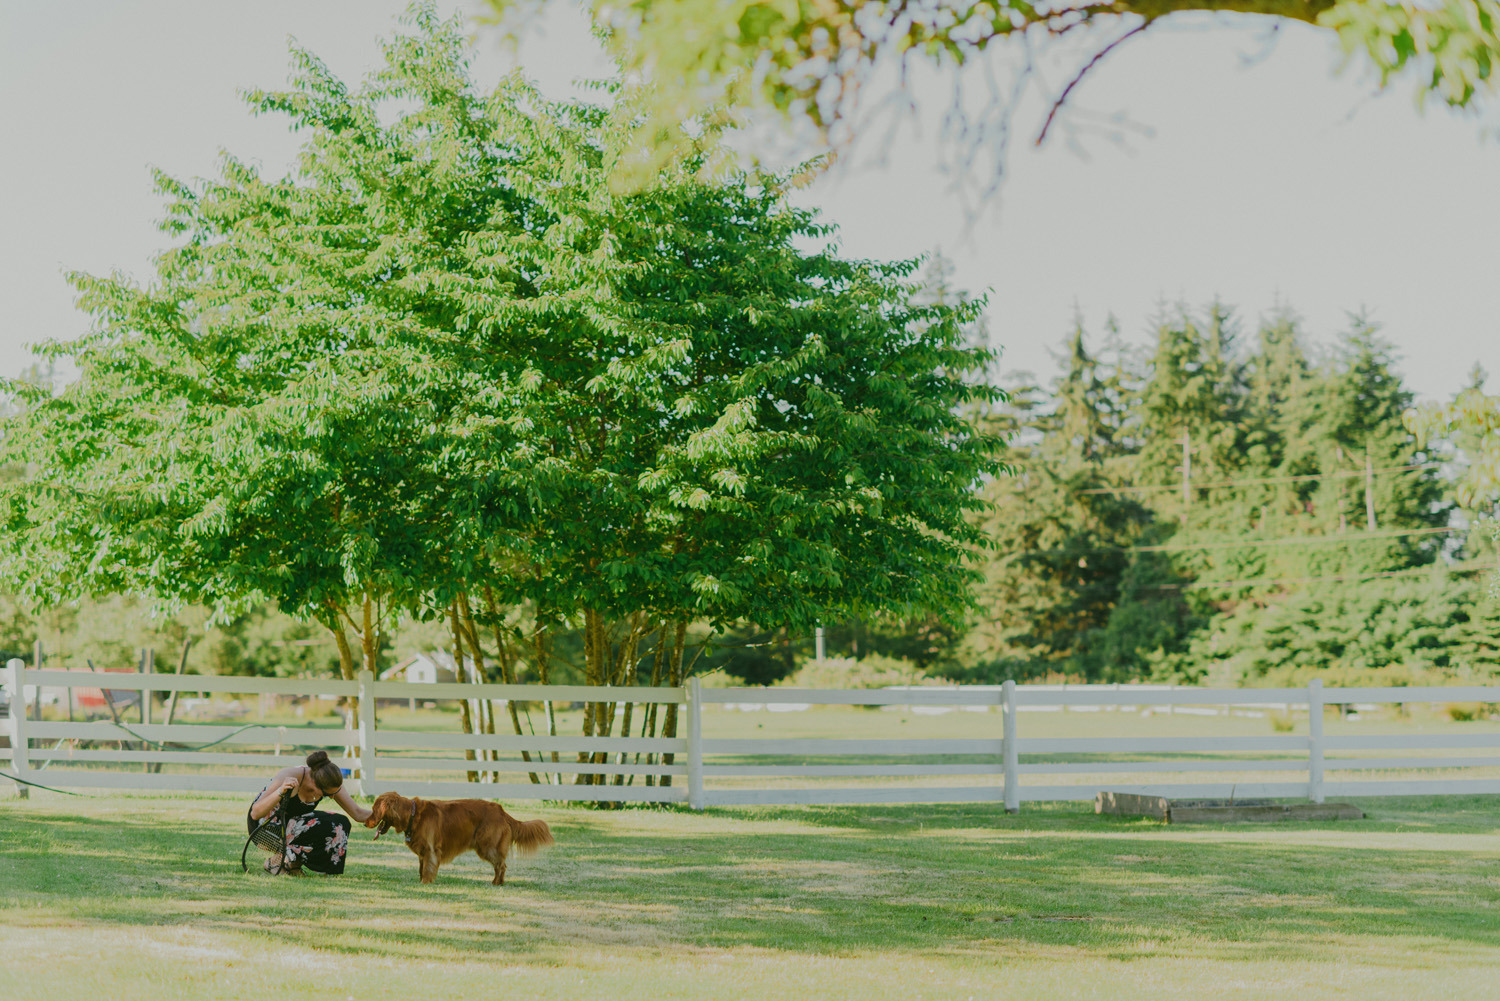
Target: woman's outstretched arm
[{"x": 346, "y": 802}]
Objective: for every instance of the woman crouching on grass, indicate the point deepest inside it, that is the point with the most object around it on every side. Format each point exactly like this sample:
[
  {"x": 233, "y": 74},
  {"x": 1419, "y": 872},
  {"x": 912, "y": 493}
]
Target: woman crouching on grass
[{"x": 313, "y": 839}]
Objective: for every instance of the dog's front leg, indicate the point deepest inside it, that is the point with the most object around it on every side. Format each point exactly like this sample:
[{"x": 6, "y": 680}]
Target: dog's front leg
[{"x": 429, "y": 867}]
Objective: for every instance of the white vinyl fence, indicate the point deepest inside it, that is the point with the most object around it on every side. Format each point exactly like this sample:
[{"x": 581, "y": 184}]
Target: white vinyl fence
[{"x": 703, "y": 770}]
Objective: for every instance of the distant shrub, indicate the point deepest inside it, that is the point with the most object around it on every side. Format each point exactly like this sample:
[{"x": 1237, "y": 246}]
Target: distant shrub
[
  {"x": 1018, "y": 669},
  {"x": 719, "y": 679},
  {"x": 873, "y": 671},
  {"x": 1282, "y": 722},
  {"x": 1467, "y": 712}
]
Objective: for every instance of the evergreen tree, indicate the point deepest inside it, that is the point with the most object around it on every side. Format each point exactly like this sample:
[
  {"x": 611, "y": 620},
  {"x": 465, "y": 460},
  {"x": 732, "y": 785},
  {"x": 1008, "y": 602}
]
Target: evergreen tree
[
  {"x": 1430, "y": 629},
  {"x": 1194, "y": 387},
  {"x": 1279, "y": 377},
  {"x": 1084, "y": 425},
  {"x": 1061, "y": 531},
  {"x": 1360, "y": 448},
  {"x": 1275, "y": 531}
]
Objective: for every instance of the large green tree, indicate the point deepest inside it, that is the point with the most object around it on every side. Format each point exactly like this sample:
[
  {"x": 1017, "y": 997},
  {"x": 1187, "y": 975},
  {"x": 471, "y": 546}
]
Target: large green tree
[
  {"x": 445, "y": 369},
  {"x": 285, "y": 412}
]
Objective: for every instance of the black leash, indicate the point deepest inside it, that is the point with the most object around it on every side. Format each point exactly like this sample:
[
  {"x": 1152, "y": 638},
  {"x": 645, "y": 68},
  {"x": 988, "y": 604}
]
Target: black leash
[
  {"x": 195, "y": 747},
  {"x": 38, "y": 785},
  {"x": 144, "y": 740},
  {"x": 277, "y": 816}
]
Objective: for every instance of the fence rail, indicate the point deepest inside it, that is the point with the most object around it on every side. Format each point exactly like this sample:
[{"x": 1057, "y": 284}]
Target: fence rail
[{"x": 1007, "y": 768}]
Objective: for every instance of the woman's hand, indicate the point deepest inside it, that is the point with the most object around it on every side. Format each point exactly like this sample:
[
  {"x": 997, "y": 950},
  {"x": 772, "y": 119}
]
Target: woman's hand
[
  {"x": 263, "y": 807},
  {"x": 346, "y": 802}
]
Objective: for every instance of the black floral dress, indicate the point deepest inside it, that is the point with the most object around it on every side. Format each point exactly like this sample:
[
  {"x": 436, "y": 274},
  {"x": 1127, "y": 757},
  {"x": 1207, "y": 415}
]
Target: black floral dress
[{"x": 315, "y": 839}]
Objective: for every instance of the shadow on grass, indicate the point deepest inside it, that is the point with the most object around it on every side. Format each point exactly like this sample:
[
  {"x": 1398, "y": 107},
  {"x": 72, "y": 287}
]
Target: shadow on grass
[{"x": 950, "y": 878}]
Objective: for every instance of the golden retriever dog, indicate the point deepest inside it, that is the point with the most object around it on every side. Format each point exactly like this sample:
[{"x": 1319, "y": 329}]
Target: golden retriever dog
[{"x": 438, "y": 831}]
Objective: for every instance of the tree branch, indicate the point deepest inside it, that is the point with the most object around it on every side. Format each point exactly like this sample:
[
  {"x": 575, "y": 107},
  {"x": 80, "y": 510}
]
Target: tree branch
[{"x": 1063, "y": 97}]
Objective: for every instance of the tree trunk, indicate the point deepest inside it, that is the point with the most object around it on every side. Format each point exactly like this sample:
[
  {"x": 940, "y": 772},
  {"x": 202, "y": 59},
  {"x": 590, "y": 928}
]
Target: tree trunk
[
  {"x": 465, "y": 720},
  {"x": 370, "y": 636},
  {"x": 334, "y": 625},
  {"x": 617, "y": 662},
  {"x": 541, "y": 644},
  {"x": 604, "y": 710},
  {"x": 487, "y": 718},
  {"x": 637, "y": 631},
  {"x": 348, "y": 668},
  {"x": 507, "y": 657},
  {"x": 486, "y": 707},
  {"x": 370, "y": 645},
  {"x": 649, "y": 730},
  {"x": 591, "y": 637},
  {"x": 187, "y": 644},
  {"x": 674, "y": 680}
]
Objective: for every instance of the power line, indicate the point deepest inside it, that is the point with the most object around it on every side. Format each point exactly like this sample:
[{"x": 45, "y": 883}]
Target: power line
[
  {"x": 1262, "y": 581},
  {"x": 1304, "y": 540},
  {"x": 1297, "y": 540},
  {"x": 1261, "y": 479}
]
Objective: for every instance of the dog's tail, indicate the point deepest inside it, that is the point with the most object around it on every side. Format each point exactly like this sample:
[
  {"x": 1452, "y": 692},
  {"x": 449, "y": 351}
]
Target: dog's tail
[{"x": 529, "y": 836}]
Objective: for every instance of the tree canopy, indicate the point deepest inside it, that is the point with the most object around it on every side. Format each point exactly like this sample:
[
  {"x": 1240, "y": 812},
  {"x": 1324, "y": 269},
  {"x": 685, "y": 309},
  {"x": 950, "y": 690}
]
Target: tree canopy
[
  {"x": 443, "y": 369},
  {"x": 809, "y": 60},
  {"x": 1473, "y": 422}
]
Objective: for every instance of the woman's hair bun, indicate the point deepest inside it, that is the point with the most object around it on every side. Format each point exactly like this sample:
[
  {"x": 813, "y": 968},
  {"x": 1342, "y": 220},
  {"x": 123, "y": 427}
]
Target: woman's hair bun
[{"x": 327, "y": 775}]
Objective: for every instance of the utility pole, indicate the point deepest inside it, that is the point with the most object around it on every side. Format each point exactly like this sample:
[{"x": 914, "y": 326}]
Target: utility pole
[
  {"x": 1187, "y": 468},
  {"x": 1369, "y": 490},
  {"x": 1338, "y": 456}
]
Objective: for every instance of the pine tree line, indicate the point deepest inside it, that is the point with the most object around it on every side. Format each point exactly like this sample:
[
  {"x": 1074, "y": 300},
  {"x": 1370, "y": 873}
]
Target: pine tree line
[{"x": 1227, "y": 508}]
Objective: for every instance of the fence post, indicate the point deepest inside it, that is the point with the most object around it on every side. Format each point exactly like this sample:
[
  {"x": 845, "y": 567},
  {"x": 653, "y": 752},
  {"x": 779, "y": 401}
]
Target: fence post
[
  {"x": 17, "y": 722},
  {"x": 1008, "y": 749},
  {"x": 695, "y": 743},
  {"x": 146, "y": 666},
  {"x": 38, "y": 663},
  {"x": 366, "y": 733},
  {"x": 1315, "y": 740}
]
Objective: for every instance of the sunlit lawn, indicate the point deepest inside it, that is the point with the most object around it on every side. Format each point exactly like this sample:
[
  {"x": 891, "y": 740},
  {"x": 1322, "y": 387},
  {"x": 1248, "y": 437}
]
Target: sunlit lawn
[{"x": 119, "y": 897}]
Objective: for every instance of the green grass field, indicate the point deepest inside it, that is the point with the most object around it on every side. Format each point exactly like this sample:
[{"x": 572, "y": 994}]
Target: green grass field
[{"x": 112, "y": 898}]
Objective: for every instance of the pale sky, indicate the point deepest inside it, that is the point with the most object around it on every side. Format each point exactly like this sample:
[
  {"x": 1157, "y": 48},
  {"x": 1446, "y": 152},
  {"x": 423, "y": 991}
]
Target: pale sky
[{"x": 1257, "y": 176}]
